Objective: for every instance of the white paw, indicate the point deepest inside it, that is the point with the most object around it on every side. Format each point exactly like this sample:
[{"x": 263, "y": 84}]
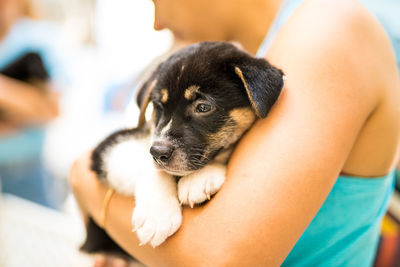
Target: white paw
[
  {"x": 200, "y": 185},
  {"x": 155, "y": 222}
]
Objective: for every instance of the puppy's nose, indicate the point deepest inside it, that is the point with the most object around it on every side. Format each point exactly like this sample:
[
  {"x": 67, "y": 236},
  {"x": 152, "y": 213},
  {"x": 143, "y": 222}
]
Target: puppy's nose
[{"x": 161, "y": 152}]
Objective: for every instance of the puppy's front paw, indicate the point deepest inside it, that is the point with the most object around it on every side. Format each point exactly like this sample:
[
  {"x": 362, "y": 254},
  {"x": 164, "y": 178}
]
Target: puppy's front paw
[
  {"x": 155, "y": 221},
  {"x": 200, "y": 185}
]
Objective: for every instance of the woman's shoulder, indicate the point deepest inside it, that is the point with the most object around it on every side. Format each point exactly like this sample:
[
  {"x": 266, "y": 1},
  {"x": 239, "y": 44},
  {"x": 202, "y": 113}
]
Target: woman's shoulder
[
  {"x": 319, "y": 26},
  {"x": 344, "y": 36},
  {"x": 340, "y": 46}
]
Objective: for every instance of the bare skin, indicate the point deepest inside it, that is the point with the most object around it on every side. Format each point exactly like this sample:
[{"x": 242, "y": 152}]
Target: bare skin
[
  {"x": 338, "y": 113},
  {"x": 25, "y": 105}
]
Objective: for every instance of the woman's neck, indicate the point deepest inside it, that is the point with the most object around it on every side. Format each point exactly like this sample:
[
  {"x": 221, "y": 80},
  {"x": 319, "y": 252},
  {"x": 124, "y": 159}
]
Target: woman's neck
[{"x": 253, "y": 22}]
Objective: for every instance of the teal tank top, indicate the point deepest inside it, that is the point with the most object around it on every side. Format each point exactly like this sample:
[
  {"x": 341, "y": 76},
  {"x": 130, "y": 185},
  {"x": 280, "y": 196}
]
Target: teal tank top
[{"x": 345, "y": 231}]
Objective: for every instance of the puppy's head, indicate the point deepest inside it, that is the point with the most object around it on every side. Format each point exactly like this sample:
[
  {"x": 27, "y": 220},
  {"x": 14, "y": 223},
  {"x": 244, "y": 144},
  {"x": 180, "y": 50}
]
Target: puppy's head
[{"x": 205, "y": 97}]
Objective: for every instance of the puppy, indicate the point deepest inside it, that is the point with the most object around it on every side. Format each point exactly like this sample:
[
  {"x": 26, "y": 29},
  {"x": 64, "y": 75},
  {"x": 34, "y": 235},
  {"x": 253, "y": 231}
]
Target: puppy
[{"x": 205, "y": 97}]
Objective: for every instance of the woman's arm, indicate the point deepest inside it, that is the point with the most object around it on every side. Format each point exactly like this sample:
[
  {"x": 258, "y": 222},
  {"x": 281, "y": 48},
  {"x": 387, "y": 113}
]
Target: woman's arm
[
  {"x": 23, "y": 104},
  {"x": 284, "y": 167}
]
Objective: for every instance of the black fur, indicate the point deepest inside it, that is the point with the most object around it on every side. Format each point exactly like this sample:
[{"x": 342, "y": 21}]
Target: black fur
[
  {"x": 29, "y": 66},
  {"x": 264, "y": 83},
  {"x": 98, "y": 241},
  {"x": 211, "y": 67}
]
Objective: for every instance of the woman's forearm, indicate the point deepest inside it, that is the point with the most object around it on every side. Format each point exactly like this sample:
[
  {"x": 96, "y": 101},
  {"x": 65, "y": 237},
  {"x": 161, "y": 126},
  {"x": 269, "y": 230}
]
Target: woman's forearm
[
  {"x": 232, "y": 229},
  {"x": 176, "y": 251},
  {"x": 189, "y": 246},
  {"x": 24, "y": 104}
]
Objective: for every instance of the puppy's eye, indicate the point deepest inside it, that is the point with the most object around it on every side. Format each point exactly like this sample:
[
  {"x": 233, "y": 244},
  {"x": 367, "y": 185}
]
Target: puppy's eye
[{"x": 203, "y": 108}]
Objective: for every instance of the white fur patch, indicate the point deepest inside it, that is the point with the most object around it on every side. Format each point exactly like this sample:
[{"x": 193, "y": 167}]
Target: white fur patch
[
  {"x": 125, "y": 163},
  {"x": 157, "y": 214},
  {"x": 130, "y": 170},
  {"x": 200, "y": 185}
]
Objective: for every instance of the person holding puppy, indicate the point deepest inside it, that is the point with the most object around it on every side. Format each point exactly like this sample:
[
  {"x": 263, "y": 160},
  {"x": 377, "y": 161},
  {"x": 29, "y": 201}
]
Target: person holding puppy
[{"x": 309, "y": 184}]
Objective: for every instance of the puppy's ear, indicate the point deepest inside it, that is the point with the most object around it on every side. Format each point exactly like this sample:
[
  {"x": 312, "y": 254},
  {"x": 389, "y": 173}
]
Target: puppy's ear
[
  {"x": 263, "y": 83},
  {"x": 143, "y": 99}
]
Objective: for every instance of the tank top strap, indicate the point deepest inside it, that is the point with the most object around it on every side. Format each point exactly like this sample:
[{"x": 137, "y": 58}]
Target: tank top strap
[{"x": 285, "y": 11}]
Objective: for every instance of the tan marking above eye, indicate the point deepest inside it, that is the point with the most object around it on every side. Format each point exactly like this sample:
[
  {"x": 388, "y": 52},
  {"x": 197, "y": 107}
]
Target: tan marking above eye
[
  {"x": 191, "y": 91},
  {"x": 164, "y": 95}
]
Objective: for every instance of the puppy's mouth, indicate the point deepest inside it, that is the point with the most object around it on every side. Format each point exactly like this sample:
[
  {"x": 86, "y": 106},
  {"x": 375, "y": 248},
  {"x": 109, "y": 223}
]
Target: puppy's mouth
[
  {"x": 182, "y": 164},
  {"x": 173, "y": 170}
]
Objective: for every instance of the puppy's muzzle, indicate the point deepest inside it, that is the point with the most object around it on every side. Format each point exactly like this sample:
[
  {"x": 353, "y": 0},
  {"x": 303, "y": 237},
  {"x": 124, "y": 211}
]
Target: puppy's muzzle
[{"x": 162, "y": 152}]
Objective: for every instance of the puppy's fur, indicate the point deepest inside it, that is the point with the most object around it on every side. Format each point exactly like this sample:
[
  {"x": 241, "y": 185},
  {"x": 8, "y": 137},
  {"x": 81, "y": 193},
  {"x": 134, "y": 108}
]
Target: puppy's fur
[{"x": 205, "y": 97}]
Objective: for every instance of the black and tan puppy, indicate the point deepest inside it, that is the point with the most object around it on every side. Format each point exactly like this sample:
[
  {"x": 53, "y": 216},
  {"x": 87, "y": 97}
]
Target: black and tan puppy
[{"x": 205, "y": 97}]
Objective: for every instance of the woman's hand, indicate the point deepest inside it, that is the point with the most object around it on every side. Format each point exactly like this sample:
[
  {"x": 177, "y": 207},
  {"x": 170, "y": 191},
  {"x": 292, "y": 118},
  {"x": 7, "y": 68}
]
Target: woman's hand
[
  {"x": 89, "y": 193},
  {"x": 88, "y": 190}
]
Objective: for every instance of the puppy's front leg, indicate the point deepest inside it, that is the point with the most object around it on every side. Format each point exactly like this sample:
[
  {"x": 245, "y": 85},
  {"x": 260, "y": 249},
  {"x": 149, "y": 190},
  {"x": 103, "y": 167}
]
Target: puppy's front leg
[
  {"x": 197, "y": 187},
  {"x": 157, "y": 214}
]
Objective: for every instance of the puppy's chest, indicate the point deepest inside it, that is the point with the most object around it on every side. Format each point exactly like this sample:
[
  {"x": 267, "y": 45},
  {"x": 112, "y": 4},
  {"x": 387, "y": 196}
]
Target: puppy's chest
[{"x": 126, "y": 161}]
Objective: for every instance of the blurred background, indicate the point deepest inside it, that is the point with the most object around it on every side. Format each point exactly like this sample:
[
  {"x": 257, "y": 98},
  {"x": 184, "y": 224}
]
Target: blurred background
[
  {"x": 82, "y": 60},
  {"x": 88, "y": 57}
]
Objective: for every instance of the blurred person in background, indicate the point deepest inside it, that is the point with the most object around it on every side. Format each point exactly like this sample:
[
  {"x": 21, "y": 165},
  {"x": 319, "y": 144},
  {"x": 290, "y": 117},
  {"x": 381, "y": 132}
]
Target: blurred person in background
[
  {"x": 318, "y": 195},
  {"x": 28, "y": 64}
]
